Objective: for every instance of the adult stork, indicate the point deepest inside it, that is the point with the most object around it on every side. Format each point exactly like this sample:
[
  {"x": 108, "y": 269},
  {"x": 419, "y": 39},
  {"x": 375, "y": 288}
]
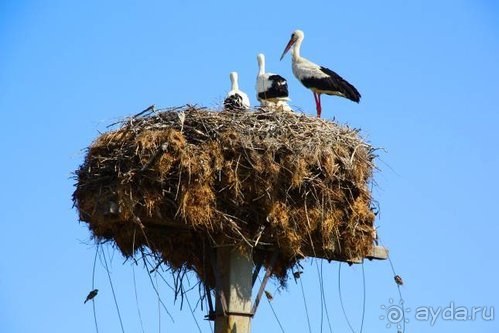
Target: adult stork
[
  {"x": 272, "y": 89},
  {"x": 320, "y": 80},
  {"x": 236, "y": 99}
]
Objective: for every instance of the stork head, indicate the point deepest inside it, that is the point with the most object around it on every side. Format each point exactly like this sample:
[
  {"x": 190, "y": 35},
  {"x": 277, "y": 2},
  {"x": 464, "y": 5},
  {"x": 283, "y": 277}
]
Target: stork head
[{"x": 297, "y": 35}]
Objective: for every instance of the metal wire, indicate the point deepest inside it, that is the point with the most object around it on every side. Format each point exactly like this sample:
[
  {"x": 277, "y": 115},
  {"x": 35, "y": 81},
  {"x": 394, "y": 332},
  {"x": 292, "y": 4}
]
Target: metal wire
[
  {"x": 401, "y": 300},
  {"x": 135, "y": 285},
  {"x": 112, "y": 289},
  {"x": 323, "y": 295},
  {"x": 363, "y": 298},
  {"x": 159, "y": 301},
  {"x": 192, "y": 313},
  {"x": 273, "y": 311},
  {"x": 156, "y": 290},
  {"x": 93, "y": 288},
  {"x": 321, "y": 288},
  {"x": 306, "y": 308},
  {"x": 341, "y": 299},
  {"x": 275, "y": 315}
]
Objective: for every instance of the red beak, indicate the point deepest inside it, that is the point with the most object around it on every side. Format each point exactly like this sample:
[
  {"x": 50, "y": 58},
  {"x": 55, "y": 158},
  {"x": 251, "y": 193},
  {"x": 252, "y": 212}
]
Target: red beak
[{"x": 290, "y": 43}]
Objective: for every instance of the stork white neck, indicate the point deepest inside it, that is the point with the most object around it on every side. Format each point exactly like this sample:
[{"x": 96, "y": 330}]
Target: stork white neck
[
  {"x": 299, "y": 35},
  {"x": 261, "y": 63},
  {"x": 233, "y": 80}
]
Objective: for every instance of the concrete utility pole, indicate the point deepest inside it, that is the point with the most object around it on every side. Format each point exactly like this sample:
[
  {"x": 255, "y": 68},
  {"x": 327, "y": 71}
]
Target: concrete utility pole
[
  {"x": 234, "y": 282},
  {"x": 235, "y": 278}
]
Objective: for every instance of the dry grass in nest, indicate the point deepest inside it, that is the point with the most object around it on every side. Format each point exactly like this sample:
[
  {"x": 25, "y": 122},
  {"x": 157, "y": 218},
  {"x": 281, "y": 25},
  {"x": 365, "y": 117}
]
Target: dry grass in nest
[{"x": 186, "y": 180}]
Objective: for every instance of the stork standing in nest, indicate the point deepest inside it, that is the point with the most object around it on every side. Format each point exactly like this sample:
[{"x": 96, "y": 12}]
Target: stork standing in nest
[
  {"x": 320, "y": 80},
  {"x": 271, "y": 89},
  {"x": 236, "y": 99}
]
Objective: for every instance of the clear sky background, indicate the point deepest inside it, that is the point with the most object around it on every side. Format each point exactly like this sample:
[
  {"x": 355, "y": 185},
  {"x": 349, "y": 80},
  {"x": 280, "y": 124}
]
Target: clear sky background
[{"x": 428, "y": 73}]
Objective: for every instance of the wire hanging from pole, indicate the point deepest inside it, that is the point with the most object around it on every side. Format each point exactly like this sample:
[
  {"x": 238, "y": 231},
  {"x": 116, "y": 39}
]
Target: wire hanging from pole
[
  {"x": 93, "y": 287},
  {"x": 402, "y": 303},
  {"x": 159, "y": 303},
  {"x": 156, "y": 289},
  {"x": 112, "y": 289},
  {"x": 323, "y": 295},
  {"x": 135, "y": 284},
  {"x": 273, "y": 311},
  {"x": 400, "y": 295},
  {"x": 341, "y": 299},
  {"x": 321, "y": 288},
  {"x": 192, "y": 313},
  {"x": 363, "y": 298},
  {"x": 306, "y": 308},
  {"x": 275, "y": 315}
]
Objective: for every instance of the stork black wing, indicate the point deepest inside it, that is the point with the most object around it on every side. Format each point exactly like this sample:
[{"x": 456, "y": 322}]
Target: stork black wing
[
  {"x": 333, "y": 84},
  {"x": 277, "y": 89},
  {"x": 341, "y": 85}
]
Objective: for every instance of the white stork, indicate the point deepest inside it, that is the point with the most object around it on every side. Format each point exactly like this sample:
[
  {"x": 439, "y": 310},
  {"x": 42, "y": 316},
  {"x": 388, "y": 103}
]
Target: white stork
[
  {"x": 272, "y": 89},
  {"x": 320, "y": 80},
  {"x": 236, "y": 99}
]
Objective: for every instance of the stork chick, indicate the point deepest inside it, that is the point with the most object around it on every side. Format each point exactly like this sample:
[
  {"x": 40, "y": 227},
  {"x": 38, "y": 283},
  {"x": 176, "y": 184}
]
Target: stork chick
[
  {"x": 236, "y": 99},
  {"x": 272, "y": 89}
]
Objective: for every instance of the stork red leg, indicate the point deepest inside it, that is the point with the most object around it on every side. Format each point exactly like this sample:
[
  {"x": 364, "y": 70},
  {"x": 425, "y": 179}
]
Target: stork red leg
[
  {"x": 317, "y": 103},
  {"x": 319, "y": 106}
]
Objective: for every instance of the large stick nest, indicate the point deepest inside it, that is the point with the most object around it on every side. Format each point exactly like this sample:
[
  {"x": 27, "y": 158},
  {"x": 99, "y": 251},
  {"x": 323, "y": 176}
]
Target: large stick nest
[{"x": 186, "y": 180}]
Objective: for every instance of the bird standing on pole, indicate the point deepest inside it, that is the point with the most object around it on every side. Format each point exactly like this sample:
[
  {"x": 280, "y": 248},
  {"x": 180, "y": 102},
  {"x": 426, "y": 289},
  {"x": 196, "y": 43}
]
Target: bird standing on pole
[
  {"x": 236, "y": 99},
  {"x": 320, "y": 80},
  {"x": 271, "y": 89}
]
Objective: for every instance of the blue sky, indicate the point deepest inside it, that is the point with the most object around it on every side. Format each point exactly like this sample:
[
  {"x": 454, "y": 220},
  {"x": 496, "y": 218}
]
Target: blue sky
[{"x": 428, "y": 73}]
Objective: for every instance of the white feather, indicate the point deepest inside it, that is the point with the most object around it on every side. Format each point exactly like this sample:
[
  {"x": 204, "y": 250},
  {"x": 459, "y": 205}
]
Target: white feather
[
  {"x": 244, "y": 97},
  {"x": 304, "y": 68}
]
